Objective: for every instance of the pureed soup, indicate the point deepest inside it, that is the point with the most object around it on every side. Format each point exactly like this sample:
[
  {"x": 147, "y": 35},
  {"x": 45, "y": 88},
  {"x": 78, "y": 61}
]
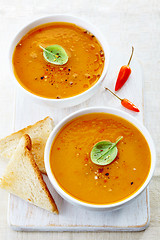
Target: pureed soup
[
  {"x": 78, "y": 176},
  {"x": 83, "y": 69}
]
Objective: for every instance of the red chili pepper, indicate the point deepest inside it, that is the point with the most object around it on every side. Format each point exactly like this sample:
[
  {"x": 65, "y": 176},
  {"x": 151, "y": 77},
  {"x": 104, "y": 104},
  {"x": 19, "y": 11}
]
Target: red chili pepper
[
  {"x": 125, "y": 102},
  {"x": 124, "y": 74}
]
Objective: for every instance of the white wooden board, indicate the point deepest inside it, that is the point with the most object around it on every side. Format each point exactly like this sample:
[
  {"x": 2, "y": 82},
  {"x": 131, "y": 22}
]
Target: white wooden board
[{"x": 23, "y": 216}]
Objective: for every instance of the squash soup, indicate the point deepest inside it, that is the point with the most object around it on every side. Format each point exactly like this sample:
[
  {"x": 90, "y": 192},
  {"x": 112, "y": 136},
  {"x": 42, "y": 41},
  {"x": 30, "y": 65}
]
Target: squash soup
[
  {"x": 40, "y": 77},
  {"x": 76, "y": 174}
]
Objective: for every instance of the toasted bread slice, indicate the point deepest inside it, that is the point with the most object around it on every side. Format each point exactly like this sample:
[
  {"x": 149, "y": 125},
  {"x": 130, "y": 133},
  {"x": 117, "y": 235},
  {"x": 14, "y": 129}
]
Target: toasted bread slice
[
  {"x": 23, "y": 178},
  {"x": 39, "y": 133}
]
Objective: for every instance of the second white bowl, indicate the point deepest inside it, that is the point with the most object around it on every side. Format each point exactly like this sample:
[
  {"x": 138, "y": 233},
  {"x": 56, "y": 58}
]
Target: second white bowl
[{"x": 116, "y": 112}]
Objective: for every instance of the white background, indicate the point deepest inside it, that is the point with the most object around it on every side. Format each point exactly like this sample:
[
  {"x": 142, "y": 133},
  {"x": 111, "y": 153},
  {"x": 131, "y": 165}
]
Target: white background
[{"x": 124, "y": 23}]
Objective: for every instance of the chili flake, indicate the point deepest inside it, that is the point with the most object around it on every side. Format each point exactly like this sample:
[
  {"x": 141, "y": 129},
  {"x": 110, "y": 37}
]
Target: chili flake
[
  {"x": 101, "y": 53},
  {"x": 100, "y": 170}
]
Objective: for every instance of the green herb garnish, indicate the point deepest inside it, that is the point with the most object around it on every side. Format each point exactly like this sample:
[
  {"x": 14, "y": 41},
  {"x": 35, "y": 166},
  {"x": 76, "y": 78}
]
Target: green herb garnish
[
  {"x": 104, "y": 152},
  {"x": 55, "y": 54}
]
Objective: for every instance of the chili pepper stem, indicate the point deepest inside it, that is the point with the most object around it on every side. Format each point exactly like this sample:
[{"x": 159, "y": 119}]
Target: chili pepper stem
[
  {"x": 114, "y": 94},
  {"x": 131, "y": 56}
]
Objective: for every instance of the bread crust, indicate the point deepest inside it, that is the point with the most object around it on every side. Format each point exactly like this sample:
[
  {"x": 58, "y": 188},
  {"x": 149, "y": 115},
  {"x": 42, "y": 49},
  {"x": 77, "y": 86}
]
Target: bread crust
[
  {"x": 28, "y": 145},
  {"x": 25, "y": 146},
  {"x": 27, "y": 128},
  {"x": 39, "y": 133}
]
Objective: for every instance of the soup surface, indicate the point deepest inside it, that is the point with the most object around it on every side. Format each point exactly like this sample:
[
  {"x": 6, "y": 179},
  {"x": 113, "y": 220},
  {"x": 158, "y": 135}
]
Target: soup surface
[
  {"x": 80, "y": 177},
  {"x": 82, "y": 71}
]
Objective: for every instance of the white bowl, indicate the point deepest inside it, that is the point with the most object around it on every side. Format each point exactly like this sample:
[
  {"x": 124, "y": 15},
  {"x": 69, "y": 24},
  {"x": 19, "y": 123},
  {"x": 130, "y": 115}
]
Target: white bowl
[
  {"x": 116, "y": 112},
  {"x": 65, "y": 102}
]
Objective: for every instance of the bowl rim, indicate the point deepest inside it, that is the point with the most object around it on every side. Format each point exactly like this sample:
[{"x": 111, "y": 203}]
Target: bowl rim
[
  {"x": 113, "y": 111},
  {"x": 70, "y": 19}
]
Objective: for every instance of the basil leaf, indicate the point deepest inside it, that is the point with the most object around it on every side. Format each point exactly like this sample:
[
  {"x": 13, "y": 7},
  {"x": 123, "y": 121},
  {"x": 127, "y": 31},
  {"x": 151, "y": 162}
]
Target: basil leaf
[
  {"x": 55, "y": 54},
  {"x": 104, "y": 152}
]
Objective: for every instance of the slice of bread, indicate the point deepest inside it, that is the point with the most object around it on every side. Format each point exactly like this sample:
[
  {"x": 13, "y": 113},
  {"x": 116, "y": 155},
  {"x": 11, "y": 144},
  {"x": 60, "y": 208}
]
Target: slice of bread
[
  {"x": 39, "y": 133},
  {"x": 23, "y": 178}
]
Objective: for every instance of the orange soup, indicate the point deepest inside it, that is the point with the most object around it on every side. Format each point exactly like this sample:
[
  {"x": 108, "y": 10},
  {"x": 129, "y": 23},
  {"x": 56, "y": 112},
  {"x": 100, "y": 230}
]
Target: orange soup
[
  {"x": 83, "y": 69},
  {"x": 78, "y": 176}
]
